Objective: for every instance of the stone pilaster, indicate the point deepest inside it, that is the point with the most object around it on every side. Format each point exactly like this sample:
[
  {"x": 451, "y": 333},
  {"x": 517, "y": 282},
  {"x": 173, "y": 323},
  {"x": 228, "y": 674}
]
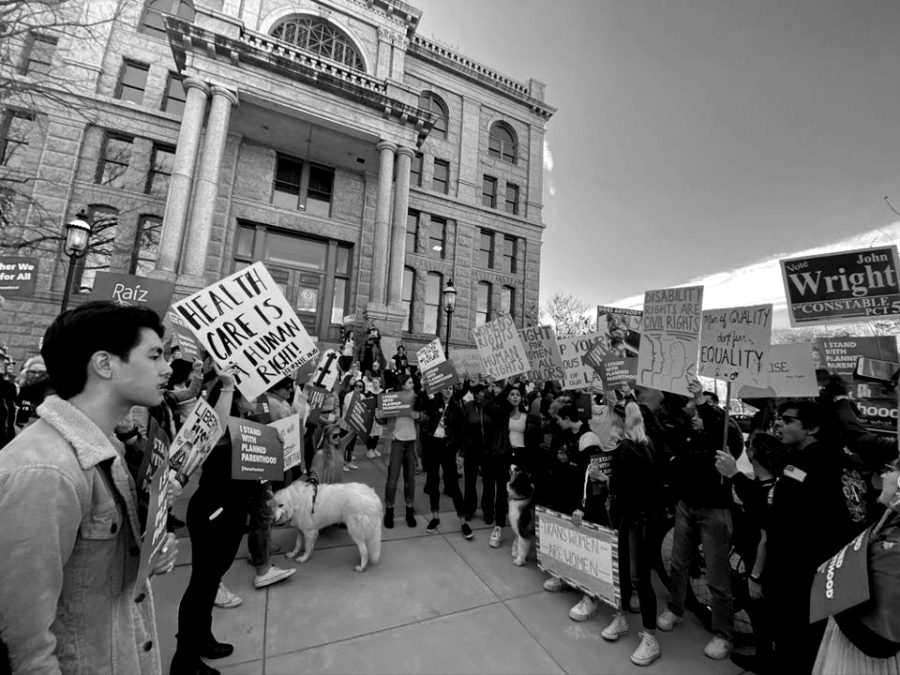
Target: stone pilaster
[
  {"x": 398, "y": 230},
  {"x": 382, "y": 222}
]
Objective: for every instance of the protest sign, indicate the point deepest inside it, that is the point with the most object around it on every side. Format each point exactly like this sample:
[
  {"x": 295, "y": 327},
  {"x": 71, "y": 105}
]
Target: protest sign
[
  {"x": 360, "y": 414},
  {"x": 842, "y": 581},
  {"x": 256, "y": 451},
  {"x": 190, "y": 348},
  {"x": 502, "y": 352},
  {"x": 544, "y": 360},
  {"x": 245, "y": 320},
  {"x": 197, "y": 437},
  {"x": 574, "y": 349},
  {"x": 468, "y": 363},
  {"x": 734, "y": 344},
  {"x": 289, "y": 428},
  {"x": 18, "y": 276},
  {"x": 394, "y": 403},
  {"x": 859, "y": 285},
  {"x": 155, "y": 533},
  {"x": 127, "y": 289},
  {"x": 430, "y": 355},
  {"x": 585, "y": 557},
  {"x": 670, "y": 338},
  {"x": 327, "y": 372},
  {"x": 156, "y": 453},
  {"x": 791, "y": 374},
  {"x": 439, "y": 377},
  {"x": 615, "y": 359},
  {"x": 315, "y": 399}
]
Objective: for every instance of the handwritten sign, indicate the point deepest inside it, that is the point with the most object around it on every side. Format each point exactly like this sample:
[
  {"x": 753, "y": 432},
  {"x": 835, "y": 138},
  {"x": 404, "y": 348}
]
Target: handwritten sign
[
  {"x": 256, "y": 451},
  {"x": 195, "y": 440},
  {"x": 670, "y": 338},
  {"x": 544, "y": 360},
  {"x": 501, "y": 349},
  {"x": 245, "y": 320},
  {"x": 395, "y": 403},
  {"x": 791, "y": 374},
  {"x": 360, "y": 414},
  {"x": 441, "y": 376},
  {"x": 573, "y": 349},
  {"x": 155, "y": 527},
  {"x": 430, "y": 355},
  {"x": 842, "y": 581},
  {"x": 586, "y": 557},
  {"x": 18, "y": 276},
  {"x": 289, "y": 428},
  {"x": 734, "y": 344},
  {"x": 127, "y": 289},
  {"x": 327, "y": 372}
]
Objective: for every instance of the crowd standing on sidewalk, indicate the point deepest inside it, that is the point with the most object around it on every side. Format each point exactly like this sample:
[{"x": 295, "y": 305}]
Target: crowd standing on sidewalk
[{"x": 74, "y": 421}]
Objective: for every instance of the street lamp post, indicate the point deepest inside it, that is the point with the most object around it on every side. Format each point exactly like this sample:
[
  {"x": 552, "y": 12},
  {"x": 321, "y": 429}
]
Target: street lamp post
[
  {"x": 449, "y": 306},
  {"x": 78, "y": 232}
]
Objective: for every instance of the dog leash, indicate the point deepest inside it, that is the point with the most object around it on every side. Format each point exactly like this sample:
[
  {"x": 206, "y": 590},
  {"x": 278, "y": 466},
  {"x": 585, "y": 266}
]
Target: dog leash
[{"x": 315, "y": 484}]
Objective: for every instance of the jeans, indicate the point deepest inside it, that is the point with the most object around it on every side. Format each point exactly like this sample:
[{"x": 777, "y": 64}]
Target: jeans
[
  {"x": 438, "y": 458},
  {"x": 403, "y": 456},
  {"x": 471, "y": 467},
  {"x": 259, "y": 534},
  {"x": 711, "y": 527},
  {"x": 495, "y": 476},
  {"x": 635, "y": 562}
]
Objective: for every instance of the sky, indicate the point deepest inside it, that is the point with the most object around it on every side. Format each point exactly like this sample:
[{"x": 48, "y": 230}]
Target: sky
[{"x": 699, "y": 140}]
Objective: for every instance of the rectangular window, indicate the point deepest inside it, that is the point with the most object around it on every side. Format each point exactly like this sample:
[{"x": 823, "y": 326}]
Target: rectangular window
[
  {"x": 16, "y": 127},
  {"x": 486, "y": 250},
  {"x": 510, "y": 250},
  {"x": 160, "y": 170},
  {"x": 415, "y": 170},
  {"x": 132, "y": 82},
  {"x": 437, "y": 236},
  {"x": 114, "y": 161},
  {"x": 339, "y": 304},
  {"x": 412, "y": 232},
  {"x": 104, "y": 224},
  {"x": 318, "y": 194},
  {"x": 291, "y": 251},
  {"x": 441, "y": 182},
  {"x": 433, "y": 283},
  {"x": 489, "y": 192},
  {"x": 39, "y": 54},
  {"x": 408, "y": 290},
  {"x": 176, "y": 96},
  {"x": 483, "y": 303},
  {"x": 243, "y": 247},
  {"x": 508, "y": 301},
  {"x": 288, "y": 172},
  {"x": 512, "y": 199},
  {"x": 146, "y": 245}
]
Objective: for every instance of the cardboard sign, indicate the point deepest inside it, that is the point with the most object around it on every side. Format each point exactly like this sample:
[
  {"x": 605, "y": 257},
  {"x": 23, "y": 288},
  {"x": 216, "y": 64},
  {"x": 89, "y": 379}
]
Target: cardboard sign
[
  {"x": 18, "y": 276},
  {"x": 430, "y": 355},
  {"x": 670, "y": 338},
  {"x": 586, "y": 557},
  {"x": 544, "y": 360},
  {"x": 734, "y": 344},
  {"x": 615, "y": 358},
  {"x": 256, "y": 451},
  {"x": 791, "y": 374},
  {"x": 501, "y": 349},
  {"x": 195, "y": 440},
  {"x": 155, "y": 528},
  {"x": 245, "y": 320},
  {"x": 156, "y": 453},
  {"x": 573, "y": 349},
  {"x": 327, "y": 373},
  {"x": 360, "y": 414},
  {"x": 439, "y": 377},
  {"x": 859, "y": 285},
  {"x": 842, "y": 581},
  {"x": 395, "y": 403},
  {"x": 289, "y": 428},
  {"x": 190, "y": 348},
  {"x": 127, "y": 289},
  {"x": 468, "y": 362}
]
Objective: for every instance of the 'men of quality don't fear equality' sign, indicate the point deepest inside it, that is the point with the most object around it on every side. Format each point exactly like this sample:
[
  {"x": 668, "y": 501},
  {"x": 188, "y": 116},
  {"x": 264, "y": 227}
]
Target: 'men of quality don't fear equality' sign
[{"x": 245, "y": 321}]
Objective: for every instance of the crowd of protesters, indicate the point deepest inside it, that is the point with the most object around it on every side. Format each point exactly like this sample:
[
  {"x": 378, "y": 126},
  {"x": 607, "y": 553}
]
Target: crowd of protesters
[{"x": 632, "y": 459}]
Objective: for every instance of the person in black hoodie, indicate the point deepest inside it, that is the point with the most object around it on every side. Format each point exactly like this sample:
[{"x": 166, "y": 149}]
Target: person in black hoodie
[
  {"x": 696, "y": 431},
  {"x": 476, "y": 438}
]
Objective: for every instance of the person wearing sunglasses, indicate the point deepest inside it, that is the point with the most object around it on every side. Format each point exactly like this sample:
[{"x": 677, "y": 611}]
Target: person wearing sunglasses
[{"x": 328, "y": 462}]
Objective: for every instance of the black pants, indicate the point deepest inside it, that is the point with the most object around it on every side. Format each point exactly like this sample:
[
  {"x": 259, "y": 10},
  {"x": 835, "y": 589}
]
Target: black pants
[
  {"x": 471, "y": 466},
  {"x": 437, "y": 457},
  {"x": 796, "y": 640},
  {"x": 495, "y": 474},
  {"x": 635, "y": 564},
  {"x": 214, "y": 543}
]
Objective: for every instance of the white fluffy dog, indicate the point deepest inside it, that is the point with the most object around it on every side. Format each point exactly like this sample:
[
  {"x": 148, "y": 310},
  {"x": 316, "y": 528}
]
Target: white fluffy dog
[{"x": 310, "y": 507}]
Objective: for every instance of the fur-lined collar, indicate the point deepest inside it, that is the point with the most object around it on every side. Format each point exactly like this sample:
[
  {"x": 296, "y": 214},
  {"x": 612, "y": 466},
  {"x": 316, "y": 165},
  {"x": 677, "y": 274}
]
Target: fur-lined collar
[{"x": 91, "y": 445}]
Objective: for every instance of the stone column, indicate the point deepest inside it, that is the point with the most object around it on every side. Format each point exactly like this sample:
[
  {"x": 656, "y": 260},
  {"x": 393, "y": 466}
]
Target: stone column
[
  {"x": 207, "y": 187},
  {"x": 179, "y": 197},
  {"x": 398, "y": 231},
  {"x": 382, "y": 221}
]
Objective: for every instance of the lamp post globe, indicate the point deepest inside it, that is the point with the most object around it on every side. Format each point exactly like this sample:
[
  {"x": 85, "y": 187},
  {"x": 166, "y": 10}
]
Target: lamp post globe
[
  {"x": 78, "y": 234},
  {"x": 449, "y": 306}
]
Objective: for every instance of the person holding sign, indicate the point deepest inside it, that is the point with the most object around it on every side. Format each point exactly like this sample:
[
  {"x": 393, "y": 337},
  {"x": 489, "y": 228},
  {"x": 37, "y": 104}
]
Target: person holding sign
[
  {"x": 403, "y": 458},
  {"x": 71, "y": 538}
]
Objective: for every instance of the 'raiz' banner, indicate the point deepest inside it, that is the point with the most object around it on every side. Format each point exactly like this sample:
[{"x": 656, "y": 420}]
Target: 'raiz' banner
[
  {"x": 849, "y": 286},
  {"x": 670, "y": 338},
  {"x": 245, "y": 320},
  {"x": 127, "y": 289}
]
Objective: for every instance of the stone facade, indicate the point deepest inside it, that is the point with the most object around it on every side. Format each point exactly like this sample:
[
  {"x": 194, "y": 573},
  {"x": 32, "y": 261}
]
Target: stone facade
[{"x": 252, "y": 103}]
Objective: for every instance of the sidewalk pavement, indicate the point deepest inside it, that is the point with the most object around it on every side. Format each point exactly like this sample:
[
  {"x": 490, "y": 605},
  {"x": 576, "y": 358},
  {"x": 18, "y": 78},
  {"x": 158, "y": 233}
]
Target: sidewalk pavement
[{"x": 435, "y": 603}]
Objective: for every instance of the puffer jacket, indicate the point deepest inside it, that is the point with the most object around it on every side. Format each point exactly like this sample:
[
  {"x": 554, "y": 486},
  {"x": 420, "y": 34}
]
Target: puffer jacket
[{"x": 70, "y": 541}]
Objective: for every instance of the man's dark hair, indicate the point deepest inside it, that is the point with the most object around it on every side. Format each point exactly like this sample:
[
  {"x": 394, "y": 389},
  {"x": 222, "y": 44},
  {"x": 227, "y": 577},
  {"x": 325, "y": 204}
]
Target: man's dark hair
[
  {"x": 769, "y": 452},
  {"x": 809, "y": 413},
  {"x": 283, "y": 383},
  {"x": 569, "y": 412},
  {"x": 76, "y": 335}
]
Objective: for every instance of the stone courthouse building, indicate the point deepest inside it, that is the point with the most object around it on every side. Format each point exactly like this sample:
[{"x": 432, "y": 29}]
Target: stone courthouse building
[{"x": 364, "y": 164}]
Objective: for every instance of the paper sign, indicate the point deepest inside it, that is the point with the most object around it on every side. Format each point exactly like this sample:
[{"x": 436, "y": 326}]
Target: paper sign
[
  {"x": 439, "y": 377},
  {"x": 360, "y": 414},
  {"x": 127, "y": 289},
  {"x": 18, "y": 276},
  {"x": 195, "y": 440},
  {"x": 190, "y": 348},
  {"x": 544, "y": 360},
  {"x": 327, "y": 372},
  {"x": 155, "y": 528},
  {"x": 395, "y": 403},
  {"x": 502, "y": 351},
  {"x": 586, "y": 557},
  {"x": 315, "y": 399},
  {"x": 156, "y": 453},
  {"x": 430, "y": 355},
  {"x": 791, "y": 374},
  {"x": 860, "y": 285},
  {"x": 670, "y": 338},
  {"x": 842, "y": 581},
  {"x": 468, "y": 362},
  {"x": 256, "y": 451},
  {"x": 289, "y": 428},
  {"x": 616, "y": 358},
  {"x": 573, "y": 349},
  {"x": 245, "y": 320},
  {"x": 734, "y": 344}
]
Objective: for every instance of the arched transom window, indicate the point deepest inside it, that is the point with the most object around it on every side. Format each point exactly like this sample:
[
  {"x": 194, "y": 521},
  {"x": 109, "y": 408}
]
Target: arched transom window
[
  {"x": 502, "y": 143},
  {"x": 320, "y": 37}
]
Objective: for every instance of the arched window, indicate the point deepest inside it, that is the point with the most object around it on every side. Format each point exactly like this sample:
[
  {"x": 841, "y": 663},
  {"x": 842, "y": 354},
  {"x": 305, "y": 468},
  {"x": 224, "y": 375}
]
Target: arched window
[
  {"x": 434, "y": 104},
  {"x": 152, "y": 22},
  {"x": 502, "y": 143},
  {"x": 320, "y": 37}
]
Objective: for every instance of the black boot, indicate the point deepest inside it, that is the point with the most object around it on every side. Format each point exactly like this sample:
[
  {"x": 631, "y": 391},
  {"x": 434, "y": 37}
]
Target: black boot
[
  {"x": 189, "y": 664},
  {"x": 389, "y": 517},
  {"x": 410, "y": 516},
  {"x": 216, "y": 650}
]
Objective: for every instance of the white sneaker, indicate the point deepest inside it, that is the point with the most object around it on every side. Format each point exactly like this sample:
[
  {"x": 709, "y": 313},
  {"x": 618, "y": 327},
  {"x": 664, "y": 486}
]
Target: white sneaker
[
  {"x": 554, "y": 584},
  {"x": 667, "y": 620},
  {"x": 617, "y": 628},
  {"x": 346, "y": 468},
  {"x": 351, "y": 465},
  {"x": 273, "y": 576},
  {"x": 718, "y": 648},
  {"x": 647, "y": 652},
  {"x": 226, "y": 599},
  {"x": 496, "y": 537},
  {"x": 370, "y": 454},
  {"x": 585, "y": 609}
]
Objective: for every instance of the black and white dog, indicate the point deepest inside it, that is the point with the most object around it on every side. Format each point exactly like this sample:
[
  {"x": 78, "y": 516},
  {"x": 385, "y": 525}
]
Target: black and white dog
[{"x": 520, "y": 492}]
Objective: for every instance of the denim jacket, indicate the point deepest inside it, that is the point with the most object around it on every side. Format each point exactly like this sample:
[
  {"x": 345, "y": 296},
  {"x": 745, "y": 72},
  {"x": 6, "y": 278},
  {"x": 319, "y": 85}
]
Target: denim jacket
[{"x": 70, "y": 541}]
